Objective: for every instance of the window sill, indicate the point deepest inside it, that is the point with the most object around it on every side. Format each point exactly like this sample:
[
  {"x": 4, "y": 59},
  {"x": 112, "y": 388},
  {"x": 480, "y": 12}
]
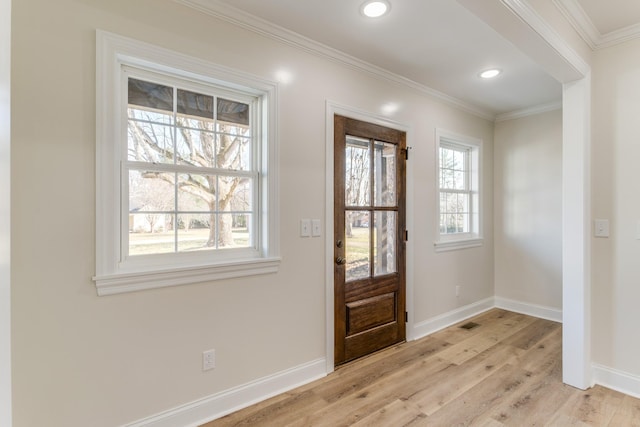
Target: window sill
[
  {"x": 132, "y": 282},
  {"x": 454, "y": 245}
]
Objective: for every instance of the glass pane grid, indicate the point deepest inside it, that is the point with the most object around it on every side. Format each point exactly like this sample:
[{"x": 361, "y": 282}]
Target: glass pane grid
[
  {"x": 454, "y": 171},
  {"x": 454, "y": 213},
  {"x": 171, "y": 207},
  {"x": 371, "y": 205},
  {"x": 455, "y": 194}
]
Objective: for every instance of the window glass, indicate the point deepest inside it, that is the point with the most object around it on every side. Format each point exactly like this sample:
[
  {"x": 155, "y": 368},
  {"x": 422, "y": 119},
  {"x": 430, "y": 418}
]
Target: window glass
[
  {"x": 458, "y": 180},
  {"x": 357, "y": 172},
  {"x": 191, "y": 203}
]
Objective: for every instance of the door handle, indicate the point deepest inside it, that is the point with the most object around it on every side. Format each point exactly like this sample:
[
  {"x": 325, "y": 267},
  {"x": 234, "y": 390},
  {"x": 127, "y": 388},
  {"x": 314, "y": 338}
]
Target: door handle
[{"x": 340, "y": 260}]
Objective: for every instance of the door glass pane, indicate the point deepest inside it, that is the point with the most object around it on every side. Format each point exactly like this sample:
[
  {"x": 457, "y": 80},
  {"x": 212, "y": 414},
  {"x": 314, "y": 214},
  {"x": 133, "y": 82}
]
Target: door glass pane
[
  {"x": 357, "y": 175},
  {"x": 384, "y": 168},
  {"x": 357, "y": 245},
  {"x": 384, "y": 243}
]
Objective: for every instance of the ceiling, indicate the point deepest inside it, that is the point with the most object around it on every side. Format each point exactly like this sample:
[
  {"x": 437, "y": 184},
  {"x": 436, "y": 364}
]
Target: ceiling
[
  {"x": 611, "y": 15},
  {"x": 437, "y": 44}
]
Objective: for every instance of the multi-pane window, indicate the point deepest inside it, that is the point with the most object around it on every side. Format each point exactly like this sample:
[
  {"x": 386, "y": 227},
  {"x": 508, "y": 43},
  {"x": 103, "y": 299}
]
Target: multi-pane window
[
  {"x": 455, "y": 189},
  {"x": 189, "y": 169},
  {"x": 186, "y": 169},
  {"x": 458, "y": 175}
]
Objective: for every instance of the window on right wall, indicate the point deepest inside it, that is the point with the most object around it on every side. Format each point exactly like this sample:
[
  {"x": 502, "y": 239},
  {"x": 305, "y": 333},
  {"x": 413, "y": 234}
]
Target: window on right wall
[{"x": 459, "y": 191}]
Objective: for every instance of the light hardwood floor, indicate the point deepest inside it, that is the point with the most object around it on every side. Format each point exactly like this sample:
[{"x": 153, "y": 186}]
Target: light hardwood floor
[{"x": 504, "y": 372}]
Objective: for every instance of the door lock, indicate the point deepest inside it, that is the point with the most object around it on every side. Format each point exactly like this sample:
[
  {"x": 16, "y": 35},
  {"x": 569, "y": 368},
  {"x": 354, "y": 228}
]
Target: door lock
[
  {"x": 339, "y": 243},
  {"x": 341, "y": 261}
]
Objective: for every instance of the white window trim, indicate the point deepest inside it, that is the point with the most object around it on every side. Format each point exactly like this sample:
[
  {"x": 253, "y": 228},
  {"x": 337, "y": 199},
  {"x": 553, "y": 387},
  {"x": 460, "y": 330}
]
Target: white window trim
[
  {"x": 474, "y": 238},
  {"x": 113, "y": 52}
]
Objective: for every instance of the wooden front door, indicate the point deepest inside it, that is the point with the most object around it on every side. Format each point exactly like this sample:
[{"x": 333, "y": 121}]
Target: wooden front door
[{"x": 369, "y": 237}]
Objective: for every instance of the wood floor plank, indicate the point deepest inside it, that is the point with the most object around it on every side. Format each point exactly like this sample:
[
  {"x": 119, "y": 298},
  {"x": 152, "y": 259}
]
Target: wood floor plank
[
  {"x": 355, "y": 406},
  {"x": 489, "y": 335},
  {"x": 273, "y": 412},
  {"x": 471, "y": 405},
  {"x": 454, "y": 334},
  {"x": 397, "y": 413},
  {"x": 505, "y": 372},
  {"x": 539, "y": 397},
  {"x": 628, "y": 413},
  {"x": 450, "y": 383},
  {"x": 354, "y": 377},
  {"x": 532, "y": 333},
  {"x": 596, "y": 406}
]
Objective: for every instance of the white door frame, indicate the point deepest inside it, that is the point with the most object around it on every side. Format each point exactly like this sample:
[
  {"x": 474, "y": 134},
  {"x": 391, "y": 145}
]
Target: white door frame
[{"x": 333, "y": 108}]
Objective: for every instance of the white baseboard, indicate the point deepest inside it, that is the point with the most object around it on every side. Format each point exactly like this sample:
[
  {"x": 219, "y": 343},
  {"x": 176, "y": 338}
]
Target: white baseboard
[
  {"x": 228, "y": 401},
  {"x": 437, "y": 323},
  {"x": 529, "y": 309},
  {"x": 616, "y": 380}
]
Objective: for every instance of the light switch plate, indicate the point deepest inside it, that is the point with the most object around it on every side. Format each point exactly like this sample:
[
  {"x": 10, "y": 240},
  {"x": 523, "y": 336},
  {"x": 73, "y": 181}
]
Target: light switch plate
[
  {"x": 316, "y": 229},
  {"x": 601, "y": 228},
  {"x": 305, "y": 228}
]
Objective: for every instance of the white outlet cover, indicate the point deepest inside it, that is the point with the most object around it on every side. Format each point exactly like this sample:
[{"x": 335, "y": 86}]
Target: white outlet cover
[
  {"x": 316, "y": 229},
  {"x": 208, "y": 360}
]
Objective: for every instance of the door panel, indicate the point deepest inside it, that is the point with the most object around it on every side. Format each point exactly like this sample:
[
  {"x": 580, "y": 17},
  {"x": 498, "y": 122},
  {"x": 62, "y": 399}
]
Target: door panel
[{"x": 369, "y": 217}]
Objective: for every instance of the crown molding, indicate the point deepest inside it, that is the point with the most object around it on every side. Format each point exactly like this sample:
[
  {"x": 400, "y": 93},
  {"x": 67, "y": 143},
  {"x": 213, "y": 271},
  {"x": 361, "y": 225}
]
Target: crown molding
[
  {"x": 582, "y": 23},
  {"x": 528, "y": 14},
  {"x": 531, "y": 111},
  {"x": 265, "y": 28},
  {"x": 620, "y": 36}
]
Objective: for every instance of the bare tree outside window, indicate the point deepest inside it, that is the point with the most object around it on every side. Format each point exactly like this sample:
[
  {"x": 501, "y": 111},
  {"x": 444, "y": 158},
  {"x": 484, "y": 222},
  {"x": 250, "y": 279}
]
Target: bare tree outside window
[{"x": 189, "y": 162}]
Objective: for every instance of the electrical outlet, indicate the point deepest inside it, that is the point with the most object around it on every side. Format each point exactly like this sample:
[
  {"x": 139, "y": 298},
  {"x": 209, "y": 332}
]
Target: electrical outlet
[{"x": 208, "y": 360}]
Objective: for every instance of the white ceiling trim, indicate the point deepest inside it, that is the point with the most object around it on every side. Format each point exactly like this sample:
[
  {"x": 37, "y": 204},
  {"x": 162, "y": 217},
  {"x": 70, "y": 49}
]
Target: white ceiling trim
[
  {"x": 265, "y": 28},
  {"x": 579, "y": 19},
  {"x": 524, "y": 11},
  {"x": 531, "y": 111}
]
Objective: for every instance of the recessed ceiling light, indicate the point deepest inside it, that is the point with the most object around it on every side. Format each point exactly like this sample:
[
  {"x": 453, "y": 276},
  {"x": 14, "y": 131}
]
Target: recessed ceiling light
[
  {"x": 489, "y": 74},
  {"x": 374, "y": 9}
]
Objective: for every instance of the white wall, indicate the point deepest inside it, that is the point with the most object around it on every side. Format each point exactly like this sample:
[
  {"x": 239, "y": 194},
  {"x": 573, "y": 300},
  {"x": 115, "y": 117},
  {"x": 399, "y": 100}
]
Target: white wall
[
  {"x": 5, "y": 206},
  {"x": 528, "y": 209},
  {"x": 112, "y": 360},
  {"x": 616, "y": 196}
]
